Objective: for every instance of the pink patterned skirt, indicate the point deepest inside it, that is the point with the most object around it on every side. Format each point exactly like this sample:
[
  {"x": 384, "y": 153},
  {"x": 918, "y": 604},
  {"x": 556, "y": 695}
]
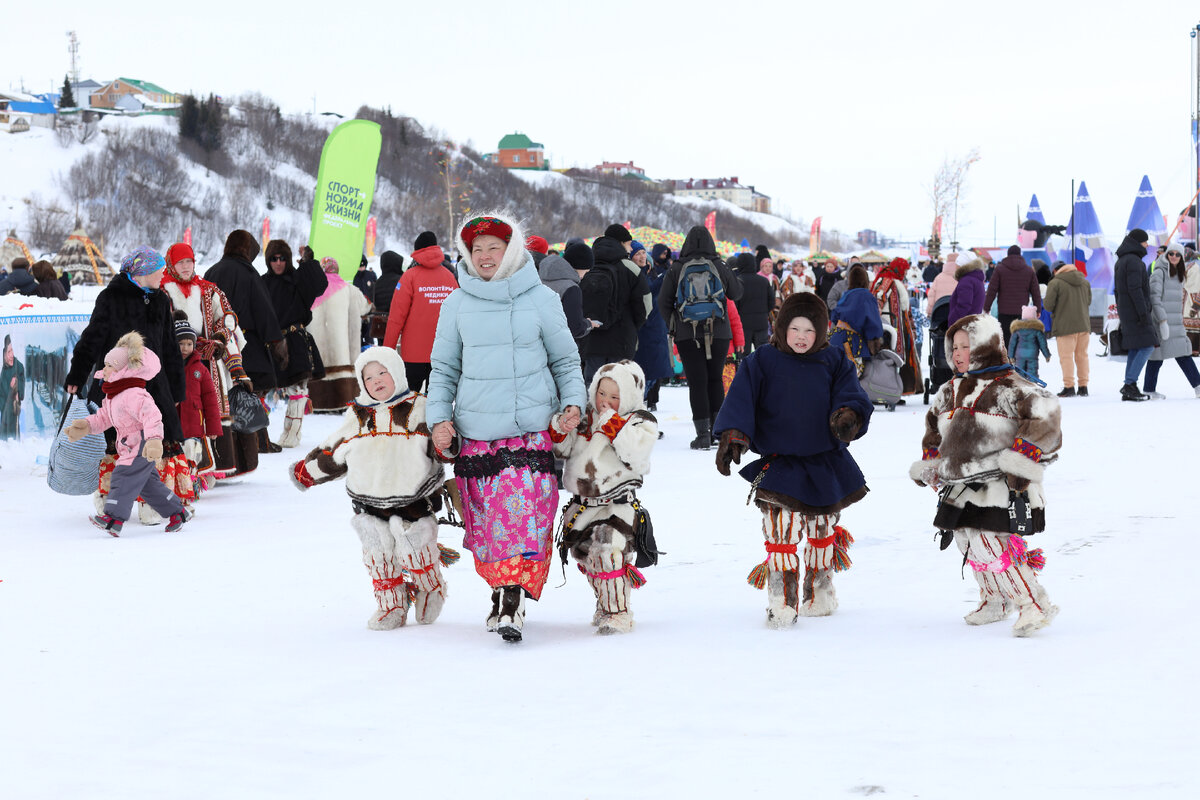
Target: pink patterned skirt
[{"x": 509, "y": 497}]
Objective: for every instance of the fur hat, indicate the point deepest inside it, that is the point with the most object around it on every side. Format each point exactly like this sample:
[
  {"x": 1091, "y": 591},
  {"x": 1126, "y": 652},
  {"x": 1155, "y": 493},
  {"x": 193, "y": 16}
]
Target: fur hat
[
  {"x": 631, "y": 383},
  {"x": 242, "y": 244},
  {"x": 278, "y": 247},
  {"x": 390, "y": 359},
  {"x": 537, "y": 244},
  {"x": 142, "y": 261},
  {"x": 986, "y": 337},
  {"x": 801, "y": 304},
  {"x": 425, "y": 239},
  {"x": 498, "y": 224},
  {"x": 857, "y": 277},
  {"x": 618, "y": 232},
  {"x": 579, "y": 256}
]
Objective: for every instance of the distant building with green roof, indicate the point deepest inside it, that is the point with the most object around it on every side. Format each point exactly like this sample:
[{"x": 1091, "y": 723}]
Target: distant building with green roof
[
  {"x": 131, "y": 94},
  {"x": 518, "y": 151}
]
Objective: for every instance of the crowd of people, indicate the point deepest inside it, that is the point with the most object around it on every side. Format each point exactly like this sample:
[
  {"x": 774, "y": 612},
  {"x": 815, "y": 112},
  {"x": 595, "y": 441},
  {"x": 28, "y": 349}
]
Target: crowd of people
[{"x": 527, "y": 369}]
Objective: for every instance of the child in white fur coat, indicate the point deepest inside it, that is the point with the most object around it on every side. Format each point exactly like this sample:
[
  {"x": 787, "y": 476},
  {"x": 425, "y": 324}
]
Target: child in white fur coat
[
  {"x": 394, "y": 479},
  {"x": 606, "y": 457}
]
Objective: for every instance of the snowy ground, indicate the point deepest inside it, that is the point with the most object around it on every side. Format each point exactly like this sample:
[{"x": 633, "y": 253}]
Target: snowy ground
[{"x": 232, "y": 659}]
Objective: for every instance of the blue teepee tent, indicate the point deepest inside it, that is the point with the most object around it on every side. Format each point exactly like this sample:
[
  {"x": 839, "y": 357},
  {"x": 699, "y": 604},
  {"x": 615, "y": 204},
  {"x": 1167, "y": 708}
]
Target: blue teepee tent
[
  {"x": 1085, "y": 226},
  {"x": 1145, "y": 213},
  {"x": 1035, "y": 211}
]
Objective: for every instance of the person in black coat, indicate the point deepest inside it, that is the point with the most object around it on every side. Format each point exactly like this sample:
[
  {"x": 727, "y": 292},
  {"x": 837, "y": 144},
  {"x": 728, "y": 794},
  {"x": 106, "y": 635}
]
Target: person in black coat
[
  {"x": 391, "y": 264},
  {"x": 1131, "y": 285},
  {"x": 365, "y": 280},
  {"x": 756, "y": 303},
  {"x": 20, "y": 280},
  {"x": 701, "y": 352},
  {"x": 616, "y": 340},
  {"x": 133, "y": 302},
  {"x": 292, "y": 291},
  {"x": 826, "y": 278},
  {"x": 654, "y": 344},
  {"x": 236, "y": 276}
]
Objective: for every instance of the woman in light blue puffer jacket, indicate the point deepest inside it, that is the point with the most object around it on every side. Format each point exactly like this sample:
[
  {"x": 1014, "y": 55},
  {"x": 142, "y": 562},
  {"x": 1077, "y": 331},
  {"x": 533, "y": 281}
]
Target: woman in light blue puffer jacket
[{"x": 504, "y": 362}]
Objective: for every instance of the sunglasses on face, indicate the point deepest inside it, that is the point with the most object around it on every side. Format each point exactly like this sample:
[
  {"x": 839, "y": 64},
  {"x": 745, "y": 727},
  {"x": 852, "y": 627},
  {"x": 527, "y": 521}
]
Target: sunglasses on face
[{"x": 277, "y": 258}]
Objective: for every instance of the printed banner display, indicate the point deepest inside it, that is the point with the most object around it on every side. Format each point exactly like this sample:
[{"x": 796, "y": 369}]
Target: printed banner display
[
  {"x": 37, "y": 355},
  {"x": 710, "y": 222},
  {"x": 345, "y": 189},
  {"x": 814, "y": 237}
]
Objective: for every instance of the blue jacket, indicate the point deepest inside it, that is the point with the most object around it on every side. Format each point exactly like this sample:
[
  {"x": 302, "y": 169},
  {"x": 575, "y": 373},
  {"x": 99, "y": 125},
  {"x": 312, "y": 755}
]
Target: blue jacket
[
  {"x": 783, "y": 402},
  {"x": 653, "y": 354},
  {"x": 859, "y": 309},
  {"x": 503, "y": 358},
  {"x": 1027, "y": 339}
]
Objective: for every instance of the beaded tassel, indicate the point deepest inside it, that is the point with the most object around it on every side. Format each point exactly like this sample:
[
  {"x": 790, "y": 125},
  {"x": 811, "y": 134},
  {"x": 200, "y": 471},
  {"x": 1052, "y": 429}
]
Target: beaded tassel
[{"x": 448, "y": 555}]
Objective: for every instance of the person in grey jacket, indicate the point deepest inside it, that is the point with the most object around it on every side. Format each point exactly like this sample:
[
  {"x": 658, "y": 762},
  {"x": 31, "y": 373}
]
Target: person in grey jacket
[
  {"x": 1166, "y": 300},
  {"x": 557, "y": 273}
]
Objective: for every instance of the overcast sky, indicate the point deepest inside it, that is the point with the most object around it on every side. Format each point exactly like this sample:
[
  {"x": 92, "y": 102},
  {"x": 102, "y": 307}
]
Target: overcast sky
[{"x": 836, "y": 109}]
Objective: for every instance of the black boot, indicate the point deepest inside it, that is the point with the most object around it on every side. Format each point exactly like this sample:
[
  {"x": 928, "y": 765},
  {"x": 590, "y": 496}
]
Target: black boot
[
  {"x": 703, "y": 440},
  {"x": 512, "y": 613},
  {"x": 1067, "y": 392},
  {"x": 1082, "y": 391},
  {"x": 1129, "y": 391}
]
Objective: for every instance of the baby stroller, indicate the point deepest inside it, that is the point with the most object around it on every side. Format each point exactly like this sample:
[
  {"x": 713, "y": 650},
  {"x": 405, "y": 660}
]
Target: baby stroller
[
  {"x": 939, "y": 367},
  {"x": 881, "y": 375}
]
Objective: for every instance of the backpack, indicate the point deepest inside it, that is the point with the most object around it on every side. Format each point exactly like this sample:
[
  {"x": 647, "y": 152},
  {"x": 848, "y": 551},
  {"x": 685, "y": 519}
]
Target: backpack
[
  {"x": 600, "y": 301},
  {"x": 700, "y": 298}
]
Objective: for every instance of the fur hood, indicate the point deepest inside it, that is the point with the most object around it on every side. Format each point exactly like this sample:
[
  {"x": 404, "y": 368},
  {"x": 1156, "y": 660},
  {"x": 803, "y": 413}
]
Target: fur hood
[
  {"x": 274, "y": 247},
  {"x": 631, "y": 383},
  {"x": 241, "y": 244},
  {"x": 133, "y": 358},
  {"x": 391, "y": 361},
  {"x": 987, "y": 340},
  {"x": 515, "y": 256},
  {"x": 974, "y": 265},
  {"x": 1027, "y": 325}
]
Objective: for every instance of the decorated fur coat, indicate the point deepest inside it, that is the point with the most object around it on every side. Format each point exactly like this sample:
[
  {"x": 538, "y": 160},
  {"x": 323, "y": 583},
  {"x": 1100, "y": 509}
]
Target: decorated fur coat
[
  {"x": 219, "y": 338},
  {"x": 336, "y": 329},
  {"x": 382, "y": 449},
  {"x": 987, "y": 432},
  {"x": 609, "y": 453}
]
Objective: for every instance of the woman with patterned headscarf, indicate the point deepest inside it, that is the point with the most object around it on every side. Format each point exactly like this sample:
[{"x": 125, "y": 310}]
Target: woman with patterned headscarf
[{"x": 892, "y": 294}]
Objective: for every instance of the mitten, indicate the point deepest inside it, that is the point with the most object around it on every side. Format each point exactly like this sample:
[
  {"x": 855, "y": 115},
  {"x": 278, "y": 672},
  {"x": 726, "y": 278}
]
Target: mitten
[
  {"x": 78, "y": 429},
  {"x": 732, "y": 447},
  {"x": 280, "y": 349},
  {"x": 152, "y": 450},
  {"x": 845, "y": 424},
  {"x": 218, "y": 342}
]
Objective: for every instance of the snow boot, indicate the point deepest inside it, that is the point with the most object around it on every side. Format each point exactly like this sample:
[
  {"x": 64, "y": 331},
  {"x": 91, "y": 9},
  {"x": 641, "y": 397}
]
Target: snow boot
[
  {"x": 993, "y": 605},
  {"x": 512, "y": 613},
  {"x": 177, "y": 520},
  {"x": 820, "y": 598},
  {"x": 387, "y": 576},
  {"x": 1067, "y": 392},
  {"x": 1130, "y": 391},
  {"x": 493, "y": 618},
  {"x": 265, "y": 445},
  {"x": 782, "y": 530},
  {"x": 703, "y": 440},
  {"x": 1082, "y": 391},
  {"x": 606, "y": 572},
  {"x": 783, "y": 598},
  {"x": 110, "y": 525},
  {"x": 820, "y": 558},
  {"x": 418, "y": 554},
  {"x": 147, "y": 515}
]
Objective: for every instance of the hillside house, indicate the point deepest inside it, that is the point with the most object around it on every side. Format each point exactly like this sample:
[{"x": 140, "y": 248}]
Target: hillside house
[
  {"x": 619, "y": 168},
  {"x": 518, "y": 151},
  {"x": 730, "y": 189},
  {"x": 83, "y": 91},
  {"x": 23, "y": 110},
  {"x": 130, "y": 95}
]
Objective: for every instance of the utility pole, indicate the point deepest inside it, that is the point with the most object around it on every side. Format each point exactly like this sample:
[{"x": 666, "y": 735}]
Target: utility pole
[{"x": 73, "y": 49}]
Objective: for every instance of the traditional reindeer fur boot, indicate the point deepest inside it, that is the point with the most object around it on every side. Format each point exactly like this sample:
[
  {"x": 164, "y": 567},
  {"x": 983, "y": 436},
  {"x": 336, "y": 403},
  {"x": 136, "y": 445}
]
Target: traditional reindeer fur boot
[
  {"x": 512, "y": 613},
  {"x": 606, "y": 572},
  {"x": 824, "y": 553},
  {"x": 387, "y": 576},
  {"x": 782, "y": 530},
  {"x": 1007, "y": 575},
  {"x": 293, "y": 419},
  {"x": 417, "y": 552}
]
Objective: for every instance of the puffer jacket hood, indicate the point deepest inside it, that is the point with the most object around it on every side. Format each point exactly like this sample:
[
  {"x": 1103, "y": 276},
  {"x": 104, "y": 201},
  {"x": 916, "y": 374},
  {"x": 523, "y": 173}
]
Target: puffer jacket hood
[
  {"x": 698, "y": 244},
  {"x": 391, "y": 263},
  {"x": 1070, "y": 275},
  {"x": 1131, "y": 246},
  {"x": 20, "y": 281},
  {"x": 555, "y": 270},
  {"x": 608, "y": 251},
  {"x": 975, "y": 265},
  {"x": 429, "y": 257}
]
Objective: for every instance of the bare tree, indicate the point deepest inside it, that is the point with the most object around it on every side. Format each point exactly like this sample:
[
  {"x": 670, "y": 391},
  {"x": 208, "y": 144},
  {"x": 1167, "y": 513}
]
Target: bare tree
[{"x": 948, "y": 192}]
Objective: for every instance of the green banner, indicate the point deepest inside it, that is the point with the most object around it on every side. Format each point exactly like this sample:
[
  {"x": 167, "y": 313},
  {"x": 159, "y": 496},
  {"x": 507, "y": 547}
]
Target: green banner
[{"x": 345, "y": 188}]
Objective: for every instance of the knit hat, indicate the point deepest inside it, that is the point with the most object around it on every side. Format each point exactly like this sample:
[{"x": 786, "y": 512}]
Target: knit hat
[
  {"x": 537, "y": 244},
  {"x": 618, "y": 232},
  {"x": 579, "y": 256},
  {"x": 1139, "y": 235},
  {"x": 801, "y": 304},
  {"x": 183, "y": 328},
  {"x": 1029, "y": 312},
  {"x": 660, "y": 250},
  {"x": 179, "y": 252},
  {"x": 142, "y": 261},
  {"x": 485, "y": 226},
  {"x": 425, "y": 239},
  {"x": 636, "y": 247}
]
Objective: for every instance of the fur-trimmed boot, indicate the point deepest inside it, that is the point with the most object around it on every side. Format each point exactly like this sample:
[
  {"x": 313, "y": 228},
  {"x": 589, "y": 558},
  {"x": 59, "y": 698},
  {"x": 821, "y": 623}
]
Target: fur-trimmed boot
[
  {"x": 387, "y": 576},
  {"x": 417, "y": 552},
  {"x": 993, "y": 602},
  {"x": 1005, "y": 563},
  {"x": 824, "y": 554},
  {"x": 297, "y": 398},
  {"x": 147, "y": 515},
  {"x": 493, "y": 618},
  {"x": 1036, "y": 609},
  {"x": 512, "y": 613},
  {"x": 606, "y": 572},
  {"x": 782, "y": 530}
]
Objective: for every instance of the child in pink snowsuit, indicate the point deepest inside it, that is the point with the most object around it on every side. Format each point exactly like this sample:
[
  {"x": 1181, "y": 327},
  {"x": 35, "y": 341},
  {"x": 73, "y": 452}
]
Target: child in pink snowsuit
[{"x": 130, "y": 409}]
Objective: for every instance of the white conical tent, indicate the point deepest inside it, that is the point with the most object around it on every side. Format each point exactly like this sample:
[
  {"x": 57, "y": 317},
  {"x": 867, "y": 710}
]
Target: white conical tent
[
  {"x": 80, "y": 256},
  {"x": 12, "y": 248}
]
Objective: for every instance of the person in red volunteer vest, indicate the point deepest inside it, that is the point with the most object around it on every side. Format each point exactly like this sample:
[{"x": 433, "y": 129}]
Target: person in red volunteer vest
[{"x": 416, "y": 305}]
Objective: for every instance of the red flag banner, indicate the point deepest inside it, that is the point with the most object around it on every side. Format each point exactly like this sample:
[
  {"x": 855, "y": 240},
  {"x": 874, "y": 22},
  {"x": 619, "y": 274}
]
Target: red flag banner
[
  {"x": 187, "y": 236},
  {"x": 710, "y": 222},
  {"x": 266, "y": 237},
  {"x": 814, "y": 237},
  {"x": 371, "y": 238}
]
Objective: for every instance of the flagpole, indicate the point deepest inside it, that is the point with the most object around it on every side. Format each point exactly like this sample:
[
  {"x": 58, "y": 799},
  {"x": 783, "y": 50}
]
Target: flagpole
[{"x": 1072, "y": 220}]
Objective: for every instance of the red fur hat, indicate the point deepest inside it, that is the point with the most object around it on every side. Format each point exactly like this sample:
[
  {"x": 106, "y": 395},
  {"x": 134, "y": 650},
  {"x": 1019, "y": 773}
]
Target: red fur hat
[{"x": 537, "y": 244}]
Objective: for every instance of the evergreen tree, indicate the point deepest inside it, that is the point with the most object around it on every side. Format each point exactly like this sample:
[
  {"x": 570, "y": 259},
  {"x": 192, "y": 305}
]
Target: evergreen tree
[
  {"x": 67, "y": 98},
  {"x": 211, "y": 123},
  {"x": 189, "y": 118}
]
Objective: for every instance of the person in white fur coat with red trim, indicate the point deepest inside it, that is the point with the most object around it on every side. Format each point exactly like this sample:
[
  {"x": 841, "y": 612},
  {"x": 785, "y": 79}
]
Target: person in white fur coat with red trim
[
  {"x": 394, "y": 479},
  {"x": 607, "y": 455},
  {"x": 988, "y": 434}
]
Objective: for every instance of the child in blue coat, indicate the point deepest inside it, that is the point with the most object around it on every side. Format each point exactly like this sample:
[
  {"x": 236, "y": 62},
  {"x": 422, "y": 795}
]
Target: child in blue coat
[
  {"x": 1026, "y": 340},
  {"x": 857, "y": 326},
  {"x": 797, "y": 402}
]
